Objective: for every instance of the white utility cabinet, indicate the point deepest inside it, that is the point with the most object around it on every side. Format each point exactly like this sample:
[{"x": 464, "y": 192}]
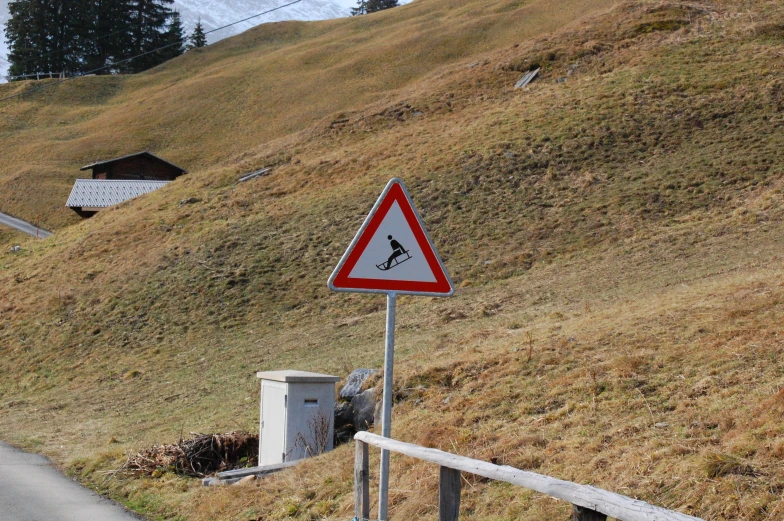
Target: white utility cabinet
[{"x": 297, "y": 415}]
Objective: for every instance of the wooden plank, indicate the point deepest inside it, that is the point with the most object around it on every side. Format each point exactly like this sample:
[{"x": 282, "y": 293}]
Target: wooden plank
[
  {"x": 609, "y": 503},
  {"x": 256, "y": 471},
  {"x": 449, "y": 494},
  {"x": 232, "y": 476},
  {"x": 527, "y": 78},
  {"x": 254, "y": 175},
  {"x": 361, "y": 482},
  {"x": 584, "y": 514}
]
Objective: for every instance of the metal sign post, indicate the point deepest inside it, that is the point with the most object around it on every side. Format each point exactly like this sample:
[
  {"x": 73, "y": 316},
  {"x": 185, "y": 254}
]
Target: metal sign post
[
  {"x": 386, "y": 411},
  {"x": 391, "y": 254}
]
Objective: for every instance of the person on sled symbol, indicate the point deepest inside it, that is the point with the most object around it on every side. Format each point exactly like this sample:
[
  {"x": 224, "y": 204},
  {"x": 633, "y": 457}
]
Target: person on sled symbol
[{"x": 397, "y": 251}]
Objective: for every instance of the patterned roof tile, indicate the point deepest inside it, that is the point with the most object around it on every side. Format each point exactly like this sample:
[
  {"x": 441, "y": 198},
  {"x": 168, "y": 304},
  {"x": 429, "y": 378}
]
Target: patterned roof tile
[{"x": 103, "y": 193}]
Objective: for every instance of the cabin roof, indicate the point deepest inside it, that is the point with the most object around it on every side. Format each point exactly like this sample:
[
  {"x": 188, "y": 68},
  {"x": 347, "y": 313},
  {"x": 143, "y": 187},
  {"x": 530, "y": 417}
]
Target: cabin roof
[
  {"x": 117, "y": 159},
  {"x": 102, "y": 193}
]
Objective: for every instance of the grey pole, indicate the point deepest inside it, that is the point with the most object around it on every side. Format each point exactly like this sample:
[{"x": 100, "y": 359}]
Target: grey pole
[{"x": 386, "y": 414}]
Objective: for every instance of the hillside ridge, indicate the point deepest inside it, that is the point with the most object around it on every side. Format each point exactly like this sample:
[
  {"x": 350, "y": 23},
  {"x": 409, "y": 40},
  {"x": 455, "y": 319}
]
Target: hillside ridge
[{"x": 614, "y": 231}]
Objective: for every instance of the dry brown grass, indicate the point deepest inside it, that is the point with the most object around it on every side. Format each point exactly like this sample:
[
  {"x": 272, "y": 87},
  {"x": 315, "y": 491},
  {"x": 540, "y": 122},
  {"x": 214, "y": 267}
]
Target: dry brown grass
[
  {"x": 210, "y": 108},
  {"x": 616, "y": 238}
]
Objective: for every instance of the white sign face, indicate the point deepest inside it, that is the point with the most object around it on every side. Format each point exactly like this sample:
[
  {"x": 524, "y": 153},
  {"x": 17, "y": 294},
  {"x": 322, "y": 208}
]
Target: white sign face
[{"x": 392, "y": 252}]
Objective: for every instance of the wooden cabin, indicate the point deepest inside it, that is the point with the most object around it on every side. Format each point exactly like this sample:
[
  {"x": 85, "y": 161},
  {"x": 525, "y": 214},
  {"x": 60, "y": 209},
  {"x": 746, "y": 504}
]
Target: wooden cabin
[
  {"x": 143, "y": 166},
  {"x": 119, "y": 180}
]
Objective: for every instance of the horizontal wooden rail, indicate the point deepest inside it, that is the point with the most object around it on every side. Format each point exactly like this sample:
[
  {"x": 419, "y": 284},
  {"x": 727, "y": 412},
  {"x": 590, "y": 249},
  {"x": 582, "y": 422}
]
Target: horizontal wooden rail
[{"x": 582, "y": 496}]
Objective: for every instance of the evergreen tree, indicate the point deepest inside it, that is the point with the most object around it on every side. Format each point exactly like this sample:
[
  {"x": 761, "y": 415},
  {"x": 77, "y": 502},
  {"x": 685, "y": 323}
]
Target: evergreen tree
[
  {"x": 174, "y": 38},
  {"x": 360, "y": 9},
  {"x": 108, "y": 33},
  {"x": 42, "y": 36},
  {"x": 380, "y": 5},
  {"x": 77, "y": 36},
  {"x": 197, "y": 38},
  {"x": 149, "y": 19},
  {"x": 20, "y": 36},
  {"x": 371, "y": 6}
]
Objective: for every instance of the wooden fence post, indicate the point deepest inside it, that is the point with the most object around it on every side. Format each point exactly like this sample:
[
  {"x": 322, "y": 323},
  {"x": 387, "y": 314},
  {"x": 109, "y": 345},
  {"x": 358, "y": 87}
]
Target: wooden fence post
[
  {"x": 584, "y": 514},
  {"x": 361, "y": 482},
  {"x": 449, "y": 494}
]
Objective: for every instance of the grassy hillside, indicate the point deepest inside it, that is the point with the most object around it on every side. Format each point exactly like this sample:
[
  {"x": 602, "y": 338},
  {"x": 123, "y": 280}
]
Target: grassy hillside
[
  {"x": 208, "y": 107},
  {"x": 615, "y": 231}
]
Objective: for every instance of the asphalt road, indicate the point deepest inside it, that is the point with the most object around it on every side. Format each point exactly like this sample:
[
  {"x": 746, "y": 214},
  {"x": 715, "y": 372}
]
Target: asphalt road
[
  {"x": 32, "y": 490},
  {"x": 23, "y": 226}
]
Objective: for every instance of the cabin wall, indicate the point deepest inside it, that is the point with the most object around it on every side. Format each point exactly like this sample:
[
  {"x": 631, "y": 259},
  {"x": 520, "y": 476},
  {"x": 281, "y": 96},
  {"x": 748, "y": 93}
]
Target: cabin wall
[{"x": 137, "y": 168}]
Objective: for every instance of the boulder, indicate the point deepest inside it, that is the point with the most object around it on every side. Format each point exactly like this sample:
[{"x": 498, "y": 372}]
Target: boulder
[
  {"x": 354, "y": 383},
  {"x": 344, "y": 423},
  {"x": 344, "y": 415},
  {"x": 364, "y": 408}
]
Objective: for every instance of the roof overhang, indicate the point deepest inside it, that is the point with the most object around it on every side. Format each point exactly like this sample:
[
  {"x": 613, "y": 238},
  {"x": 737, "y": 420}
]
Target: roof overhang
[{"x": 149, "y": 155}]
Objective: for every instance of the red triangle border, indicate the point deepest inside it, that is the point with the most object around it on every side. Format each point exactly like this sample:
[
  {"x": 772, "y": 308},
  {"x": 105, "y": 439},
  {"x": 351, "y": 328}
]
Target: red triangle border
[{"x": 341, "y": 280}]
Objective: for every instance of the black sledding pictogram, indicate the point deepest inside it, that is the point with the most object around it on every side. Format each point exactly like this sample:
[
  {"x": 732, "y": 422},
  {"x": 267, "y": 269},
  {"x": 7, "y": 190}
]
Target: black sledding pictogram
[{"x": 396, "y": 259}]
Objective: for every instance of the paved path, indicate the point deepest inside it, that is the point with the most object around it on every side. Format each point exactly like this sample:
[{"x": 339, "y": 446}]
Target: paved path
[
  {"x": 23, "y": 226},
  {"x": 32, "y": 490}
]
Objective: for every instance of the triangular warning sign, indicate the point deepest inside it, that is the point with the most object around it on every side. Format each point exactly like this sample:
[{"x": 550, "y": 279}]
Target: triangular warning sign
[{"x": 392, "y": 252}]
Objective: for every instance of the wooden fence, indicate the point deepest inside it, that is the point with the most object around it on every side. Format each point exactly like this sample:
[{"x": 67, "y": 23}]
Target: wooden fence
[
  {"x": 38, "y": 76},
  {"x": 590, "y": 503}
]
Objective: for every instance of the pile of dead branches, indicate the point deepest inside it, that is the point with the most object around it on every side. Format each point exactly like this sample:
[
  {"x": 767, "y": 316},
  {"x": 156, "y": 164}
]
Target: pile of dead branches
[{"x": 202, "y": 455}]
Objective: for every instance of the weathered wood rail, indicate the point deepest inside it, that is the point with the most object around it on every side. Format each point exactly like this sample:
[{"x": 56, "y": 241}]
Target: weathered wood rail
[{"x": 589, "y": 503}]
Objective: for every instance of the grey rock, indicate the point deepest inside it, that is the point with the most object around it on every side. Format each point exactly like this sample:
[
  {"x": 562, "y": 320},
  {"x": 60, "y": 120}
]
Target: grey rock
[
  {"x": 344, "y": 414},
  {"x": 354, "y": 383},
  {"x": 190, "y": 200},
  {"x": 344, "y": 423},
  {"x": 364, "y": 407}
]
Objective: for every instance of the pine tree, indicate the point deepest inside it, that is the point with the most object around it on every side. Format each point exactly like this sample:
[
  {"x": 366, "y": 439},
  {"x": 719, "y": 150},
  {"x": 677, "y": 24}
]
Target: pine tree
[
  {"x": 20, "y": 36},
  {"x": 43, "y": 36},
  {"x": 174, "y": 38},
  {"x": 360, "y": 9},
  {"x": 109, "y": 33},
  {"x": 149, "y": 19},
  {"x": 197, "y": 39},
  {"x": 371, "y": 6},
  {"x": 77, "y": 36},
  {"x": 380, "y": 5}
]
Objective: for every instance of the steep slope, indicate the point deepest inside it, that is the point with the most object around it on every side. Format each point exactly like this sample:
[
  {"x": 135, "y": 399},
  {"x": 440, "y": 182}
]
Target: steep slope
[
  {"x": 615, "y": 231},
  {"x": 206, "y": 107}
]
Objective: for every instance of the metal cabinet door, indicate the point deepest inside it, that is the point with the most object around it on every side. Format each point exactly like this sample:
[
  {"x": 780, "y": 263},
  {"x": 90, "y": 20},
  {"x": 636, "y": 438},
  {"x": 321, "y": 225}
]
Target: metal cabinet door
[{"x": 272, "y": 441}]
